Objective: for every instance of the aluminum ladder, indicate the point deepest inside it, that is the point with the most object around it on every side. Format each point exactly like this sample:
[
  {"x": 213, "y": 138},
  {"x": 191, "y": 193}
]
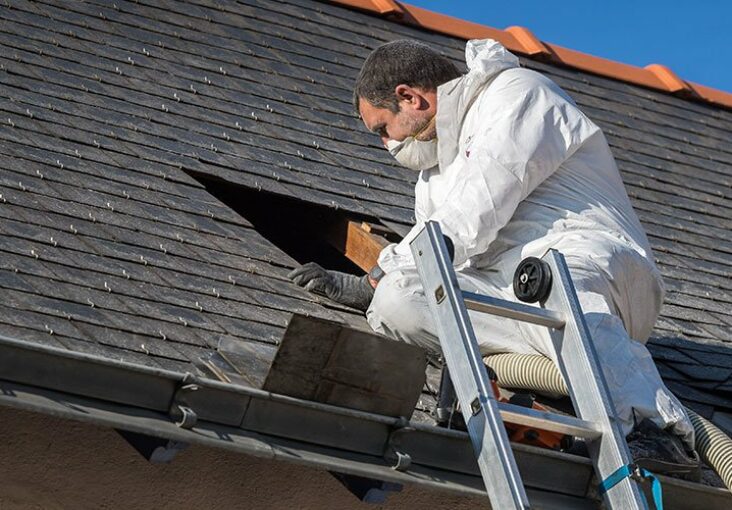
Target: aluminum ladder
[{"x": 484, "y": 415}]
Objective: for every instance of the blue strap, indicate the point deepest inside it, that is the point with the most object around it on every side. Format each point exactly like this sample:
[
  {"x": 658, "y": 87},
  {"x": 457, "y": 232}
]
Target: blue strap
[{"x": 635, "y": 472}]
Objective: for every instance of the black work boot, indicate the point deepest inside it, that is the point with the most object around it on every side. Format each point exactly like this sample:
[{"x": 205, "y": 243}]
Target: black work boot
[{"x": 662, "y": 452}]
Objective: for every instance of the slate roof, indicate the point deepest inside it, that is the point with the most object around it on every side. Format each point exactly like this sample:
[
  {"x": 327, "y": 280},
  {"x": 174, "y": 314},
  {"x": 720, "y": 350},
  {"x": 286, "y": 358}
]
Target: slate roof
[{"x": 109, "y": 246}]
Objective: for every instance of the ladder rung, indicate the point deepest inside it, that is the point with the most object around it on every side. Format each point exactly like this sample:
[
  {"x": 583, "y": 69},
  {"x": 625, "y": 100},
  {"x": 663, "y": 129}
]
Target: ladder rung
[
  {"x": 552, "y": 422},
  {"x": 512, "y": 310}
]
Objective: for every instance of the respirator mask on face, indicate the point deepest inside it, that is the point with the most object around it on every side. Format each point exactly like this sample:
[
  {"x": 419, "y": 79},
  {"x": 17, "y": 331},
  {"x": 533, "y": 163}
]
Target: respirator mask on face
[{"x": 415, "y": 154}]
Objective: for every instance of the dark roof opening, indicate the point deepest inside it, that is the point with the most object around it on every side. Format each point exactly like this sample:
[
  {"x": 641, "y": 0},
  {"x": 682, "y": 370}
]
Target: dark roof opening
[{"x": 305, "y": 231}]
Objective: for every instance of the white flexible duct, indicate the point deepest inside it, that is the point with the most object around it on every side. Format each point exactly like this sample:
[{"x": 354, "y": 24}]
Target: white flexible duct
[
  {"x": 714, "y": 446},
  {"x": 538, "y": 373}
]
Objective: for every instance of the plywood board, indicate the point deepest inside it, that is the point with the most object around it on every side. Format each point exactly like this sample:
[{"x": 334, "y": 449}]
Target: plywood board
[{"x": 331, "y": 363}]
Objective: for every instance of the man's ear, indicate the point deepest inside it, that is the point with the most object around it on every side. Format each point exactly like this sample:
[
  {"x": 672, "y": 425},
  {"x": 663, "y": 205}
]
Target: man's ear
[
  {"x": 405, "y": 93},
  {"x": 412, "y": 97}
]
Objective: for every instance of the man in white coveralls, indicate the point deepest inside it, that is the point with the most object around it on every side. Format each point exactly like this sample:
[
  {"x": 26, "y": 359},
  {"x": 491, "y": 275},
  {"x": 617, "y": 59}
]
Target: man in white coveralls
[{"x": 509, "y": 167}]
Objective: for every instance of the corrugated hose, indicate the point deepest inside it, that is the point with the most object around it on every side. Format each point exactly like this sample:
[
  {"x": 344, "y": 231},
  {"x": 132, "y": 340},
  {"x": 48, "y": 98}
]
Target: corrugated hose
[{"x": 539, "y": 373}]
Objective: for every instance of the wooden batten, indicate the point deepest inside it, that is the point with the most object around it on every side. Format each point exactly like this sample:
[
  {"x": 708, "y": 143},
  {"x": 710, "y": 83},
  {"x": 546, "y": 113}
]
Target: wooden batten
[
  {"x": 363, "y": 245},
  {"x": 360, "y": 242}
]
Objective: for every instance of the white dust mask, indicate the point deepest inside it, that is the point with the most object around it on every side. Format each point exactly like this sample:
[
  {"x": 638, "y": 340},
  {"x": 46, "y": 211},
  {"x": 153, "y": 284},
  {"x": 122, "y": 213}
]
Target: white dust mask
[{"x": 415, "y": 154}]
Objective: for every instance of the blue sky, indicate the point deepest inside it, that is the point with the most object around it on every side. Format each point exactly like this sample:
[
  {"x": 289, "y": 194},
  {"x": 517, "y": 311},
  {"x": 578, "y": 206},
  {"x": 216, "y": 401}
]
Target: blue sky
[{"x": 694, "y": 39}]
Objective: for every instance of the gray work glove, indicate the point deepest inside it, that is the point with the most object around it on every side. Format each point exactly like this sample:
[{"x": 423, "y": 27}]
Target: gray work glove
[{"x": 347, "y": 289}]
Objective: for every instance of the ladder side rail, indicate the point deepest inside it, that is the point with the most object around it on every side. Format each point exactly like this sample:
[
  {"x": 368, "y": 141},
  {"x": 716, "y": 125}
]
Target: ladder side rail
[
  {"x": 470, "y": 379},
  {"x": 578, "y": 363}
]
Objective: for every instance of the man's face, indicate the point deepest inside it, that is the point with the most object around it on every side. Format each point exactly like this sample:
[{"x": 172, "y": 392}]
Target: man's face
[{"x": 416, "y": 108}]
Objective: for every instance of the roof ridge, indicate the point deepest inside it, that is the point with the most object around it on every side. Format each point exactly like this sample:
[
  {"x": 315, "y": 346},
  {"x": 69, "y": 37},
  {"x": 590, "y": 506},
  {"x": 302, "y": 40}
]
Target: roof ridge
[{"x": 521, "y": 40}]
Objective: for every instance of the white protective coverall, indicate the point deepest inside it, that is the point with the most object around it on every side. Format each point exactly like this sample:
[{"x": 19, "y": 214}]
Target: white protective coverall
[{"x": 522, "y": 170}]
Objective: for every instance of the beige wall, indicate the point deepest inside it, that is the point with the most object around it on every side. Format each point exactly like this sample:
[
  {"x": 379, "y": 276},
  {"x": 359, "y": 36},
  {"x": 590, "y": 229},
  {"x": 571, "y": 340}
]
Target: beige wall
[{"x": 50, "y": 463}]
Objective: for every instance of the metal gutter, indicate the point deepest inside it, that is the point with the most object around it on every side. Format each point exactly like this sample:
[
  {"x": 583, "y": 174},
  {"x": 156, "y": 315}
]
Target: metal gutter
[
  {"x": 259, "y": 445},
  {"x": 147, "y": 400}
]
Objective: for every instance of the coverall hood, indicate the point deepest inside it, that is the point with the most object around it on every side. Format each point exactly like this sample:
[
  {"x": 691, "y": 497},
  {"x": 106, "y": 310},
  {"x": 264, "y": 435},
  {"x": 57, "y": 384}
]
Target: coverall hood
[{"x": 485, "y": 60}]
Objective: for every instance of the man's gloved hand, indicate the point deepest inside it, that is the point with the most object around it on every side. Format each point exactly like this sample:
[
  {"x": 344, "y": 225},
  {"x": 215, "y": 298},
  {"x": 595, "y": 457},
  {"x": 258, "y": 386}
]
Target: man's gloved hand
[{"x": 347, "y": 289}]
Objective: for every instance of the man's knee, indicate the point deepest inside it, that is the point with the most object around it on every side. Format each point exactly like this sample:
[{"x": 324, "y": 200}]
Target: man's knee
[
  {"x": 399, "y": 310},
  {"x": 396, "y": 301}
]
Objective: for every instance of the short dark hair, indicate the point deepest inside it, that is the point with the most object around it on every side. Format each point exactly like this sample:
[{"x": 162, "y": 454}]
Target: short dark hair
[{"x": 405, "y": 61}]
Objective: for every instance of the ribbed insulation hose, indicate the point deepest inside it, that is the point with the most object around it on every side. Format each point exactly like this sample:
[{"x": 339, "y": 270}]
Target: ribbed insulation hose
[
  {"x": 714, "y": 446},
  {"x": 539, "y": 373}
]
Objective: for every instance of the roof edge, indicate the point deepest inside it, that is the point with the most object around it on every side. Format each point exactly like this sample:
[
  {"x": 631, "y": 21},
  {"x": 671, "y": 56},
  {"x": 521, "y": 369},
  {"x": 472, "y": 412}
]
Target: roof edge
[
  {"x": 126, "y": 396},
  {"x": 152, "y": 401},
  {"x": 273, "y": 447},
  {"x": 521, "y": 40}
]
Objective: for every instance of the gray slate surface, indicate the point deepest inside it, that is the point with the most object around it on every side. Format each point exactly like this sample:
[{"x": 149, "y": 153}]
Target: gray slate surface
[{"x": 109, "y": 246}]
